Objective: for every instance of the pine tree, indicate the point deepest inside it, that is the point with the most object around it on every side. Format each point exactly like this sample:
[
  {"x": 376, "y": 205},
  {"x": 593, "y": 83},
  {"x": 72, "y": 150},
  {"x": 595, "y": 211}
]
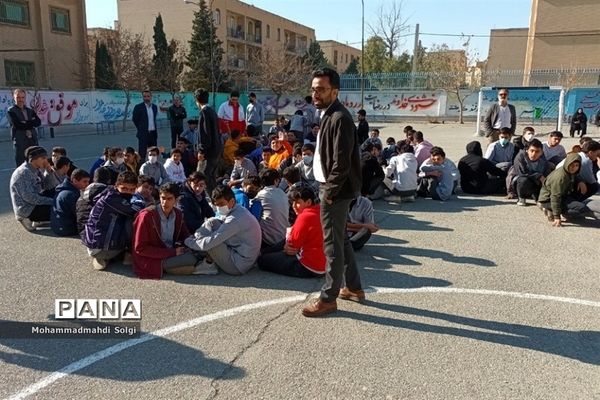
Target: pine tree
[
  {"x": 104, "y": 72},
  {"x": 315, "y": 56},
  {"x": 162, "y": 61},
  {"x": 206, "y": 54},
  {"x": 352, "y": 67}
]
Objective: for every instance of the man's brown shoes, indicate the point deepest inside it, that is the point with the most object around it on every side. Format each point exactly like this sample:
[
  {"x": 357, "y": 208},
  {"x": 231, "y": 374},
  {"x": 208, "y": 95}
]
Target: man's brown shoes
[
  {"x": 352, "y": 295},
  {"x": 318, "y": 308}
]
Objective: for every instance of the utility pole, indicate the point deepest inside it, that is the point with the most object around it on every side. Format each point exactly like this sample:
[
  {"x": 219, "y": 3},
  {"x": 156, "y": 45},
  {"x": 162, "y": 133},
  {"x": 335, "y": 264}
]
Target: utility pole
[
  {"x": 415, "y": 58},
  {"x": 362, "y": 60}
]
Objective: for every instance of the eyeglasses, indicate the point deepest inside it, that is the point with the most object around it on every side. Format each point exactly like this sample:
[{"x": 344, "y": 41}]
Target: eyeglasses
[{"x": 320, "y": 89}]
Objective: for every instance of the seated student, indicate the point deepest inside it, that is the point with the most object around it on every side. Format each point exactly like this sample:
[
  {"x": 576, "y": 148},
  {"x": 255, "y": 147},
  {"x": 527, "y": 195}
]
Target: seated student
[
  {"x": 86, "y": 201},
  {"x": 29, "y": 205},
  {"x": 373, "y": 138},
  {"x": 143, "y": 196},
  {"x": 311, "y": 137},
  {"x": 277, "y": 126},
  {"x": 174, "y": 167},
  {"x": 409, "y": 133},
  {"x": 554, "y": 152},
  {"x": 189, "y": 159},
  {"x": 63, "y": 218},
  {"x": 479, "y": 175},
  {"x": 231, "y": 244},
  {"x": 200, "y": 160},
  {"x": 58, "y": 152},
  {"x": 275, "y": 211},
  {"x": 502, "y": 151},
  {"x": 56, "y": 174},
  {"x": 372, "y": 173},
  {"x": 245, "y": 195},
  {"x": 230, "y": 146},
  {"x": 100, "y": 161},
  {"x": 557, "y": 187},
  {"x": 360, "y": 224},
  {"x": 267, "y": 153},
  {"x": 297, "y": 124},
  {"x": 154, "y": 168},
  {"x": 115, "y": 162},
  {"x": 107, "y": 232},
  {"x": 305, "y": 165},
  {"x": 521, "y": 142},
  {"x": 242, "y": 168},
  {"x": 193, "y": 202},
  {"x": 438, "y": 177},
  {"x": 303, "y": 255},
  {"x": 422, "y": 148},
  {"x": 528, "y": 173},
  {"x": 281, "y": 151},
  {"x": 191, "y": 133},
  {"x": 132, "y": 160},
  {"x": 293, "y": 179},
  {"x": 158, "y": 235},
  {"x": 587, "y": 182},
  {"x": 390, "y": 150},
  {"x": 401, "y": 173}
]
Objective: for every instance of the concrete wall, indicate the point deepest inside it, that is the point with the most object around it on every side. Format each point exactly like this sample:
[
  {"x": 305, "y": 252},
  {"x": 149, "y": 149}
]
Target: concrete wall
[
  {"x": 507, "y": 49},
  {"x": 344, "y": 53}
]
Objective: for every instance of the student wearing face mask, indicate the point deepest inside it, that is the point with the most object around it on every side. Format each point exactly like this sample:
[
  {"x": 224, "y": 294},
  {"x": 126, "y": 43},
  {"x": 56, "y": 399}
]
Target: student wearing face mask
[
  {"x": 306, "y": 166},
  {"x": 245, "y": 195},
  {"x": 502, "y": 151},
  {"x": 115, "y": 162},
  {"x": 521, "y": 142},
  {"x": 232, "y": 243},
  {"x": 193, "y": 202},
  {"x": 154, "y": 168},
  {"x": 107, "y": 232}
]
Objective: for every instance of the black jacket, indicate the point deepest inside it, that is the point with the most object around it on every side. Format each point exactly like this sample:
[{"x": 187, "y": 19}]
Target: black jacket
[
  {"x": 194, "y": 211},
  {"x": 139, "y": 116},
  {"x": 208, "y": 129},
  {"x": 340, "y": 158},
  {"x": 85, "y": 202},
  {"x": 492, "y": 116},
  {"x": 474, "y": 170},
  {"x": 362, "y": 131},
  {"x": 371, "y": 171}
]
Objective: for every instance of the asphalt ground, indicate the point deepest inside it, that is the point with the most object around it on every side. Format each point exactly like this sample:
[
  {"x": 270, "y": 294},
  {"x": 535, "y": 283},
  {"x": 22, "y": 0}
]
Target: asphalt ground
[{"x": 474, "y": 298}]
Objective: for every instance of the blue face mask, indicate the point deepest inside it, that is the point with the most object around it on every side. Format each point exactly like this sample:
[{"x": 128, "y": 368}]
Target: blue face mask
[{"x": 503, "y": 142}]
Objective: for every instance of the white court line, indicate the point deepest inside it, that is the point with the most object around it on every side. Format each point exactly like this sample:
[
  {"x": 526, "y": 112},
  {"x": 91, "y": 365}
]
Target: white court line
[{"x": 102, "y": 354}]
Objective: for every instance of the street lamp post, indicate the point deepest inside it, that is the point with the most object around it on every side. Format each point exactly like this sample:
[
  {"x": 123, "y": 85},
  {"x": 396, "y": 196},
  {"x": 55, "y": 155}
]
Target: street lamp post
[
  {"x": 210, "y": 42},
  {"x": 362, "y": 60}
]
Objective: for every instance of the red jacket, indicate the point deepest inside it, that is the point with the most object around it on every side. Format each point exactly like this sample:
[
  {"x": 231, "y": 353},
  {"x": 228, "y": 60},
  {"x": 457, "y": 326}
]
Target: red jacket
[
  {"x": 307, "y": 236},
  {"x": 148, "y": 249}
]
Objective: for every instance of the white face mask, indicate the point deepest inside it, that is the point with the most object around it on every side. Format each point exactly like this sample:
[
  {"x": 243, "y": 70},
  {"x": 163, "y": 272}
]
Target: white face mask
[
  {"x": 120, "y": 160},
  {"x": 153, "y": 159},
  {"x": 54, "y": 160},
  {"x": 238, "y": 163},
  {"x": 307, "y": 159},
  {"x": 528, "y": 137},
  {"x": 223, "y": 210}
]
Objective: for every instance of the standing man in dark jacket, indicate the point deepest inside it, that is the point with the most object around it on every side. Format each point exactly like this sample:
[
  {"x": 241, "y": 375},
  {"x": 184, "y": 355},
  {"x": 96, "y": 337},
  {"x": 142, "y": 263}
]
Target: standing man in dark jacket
[
  {"x": 337, "y": 167},
  {"x": 176, "y": 113},
  {"x": 500, "y": 115},
  {"x": 363, "y": 126},
  {"x": 210, "y": 139},
  {"x": 144, "y": 119},
  {"x": 23, "y": 121}
]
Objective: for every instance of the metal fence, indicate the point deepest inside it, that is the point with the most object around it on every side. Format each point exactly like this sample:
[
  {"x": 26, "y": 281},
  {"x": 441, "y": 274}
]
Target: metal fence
[{"x": 567, "y": 78}]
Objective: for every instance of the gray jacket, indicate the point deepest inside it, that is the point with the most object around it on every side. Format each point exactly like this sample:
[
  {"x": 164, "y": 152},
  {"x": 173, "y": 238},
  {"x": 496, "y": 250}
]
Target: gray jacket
[
  {"x": 492, "y": 116},
  {"x": 156, "y": 171},
  {"x": 275, "y": 214},
  {"x": 25, "y": 188},
  {"x": 240, "y": 232}
]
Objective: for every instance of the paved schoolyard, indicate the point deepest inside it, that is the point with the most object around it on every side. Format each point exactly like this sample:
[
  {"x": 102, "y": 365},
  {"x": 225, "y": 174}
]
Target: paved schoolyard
[{"x": 473, "y": 298}]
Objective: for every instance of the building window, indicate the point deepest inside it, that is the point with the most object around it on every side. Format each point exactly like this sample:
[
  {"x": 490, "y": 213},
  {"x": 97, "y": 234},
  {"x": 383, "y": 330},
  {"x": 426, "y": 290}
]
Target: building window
[
  {"x": 217, "y": 16},
  {"x": 14, "y": 12},
  {"x": 19, "y": 73},
  {"x": 268, "y": 31},
  {"x": 346, "y": 58},
  {"x": 278, "y": 34},
  {"x": 335, "y": 57},
  {"x": 60, "y": 21}
]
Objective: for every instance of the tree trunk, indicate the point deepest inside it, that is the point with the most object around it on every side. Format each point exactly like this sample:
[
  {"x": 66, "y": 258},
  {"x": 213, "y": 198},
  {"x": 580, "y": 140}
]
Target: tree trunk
[
  {"x": 277, "y": 105},
  {"x": 460, "y": 105}
]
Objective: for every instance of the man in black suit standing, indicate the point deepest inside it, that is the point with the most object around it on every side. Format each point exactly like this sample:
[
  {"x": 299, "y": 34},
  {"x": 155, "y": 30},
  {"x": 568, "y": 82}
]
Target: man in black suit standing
[
  {"x": 500, "y": 115},
  {"x": 144, "y": 119},
  {"x": 210, "y": 138}
]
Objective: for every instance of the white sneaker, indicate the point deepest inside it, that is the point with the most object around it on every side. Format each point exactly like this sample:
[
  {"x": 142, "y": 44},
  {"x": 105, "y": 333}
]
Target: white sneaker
[
  {"x": 27, "y": 224},
  {"x": 205, "y": 268},
  {"x": 408, "y": 199},
  {"x": 99, "y": 265}
]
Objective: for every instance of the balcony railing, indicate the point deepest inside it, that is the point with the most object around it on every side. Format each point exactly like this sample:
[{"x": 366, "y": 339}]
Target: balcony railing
[
  {"x": 237, "y": 62},
  {"x": 254, "y": 38},
  {"x": 235, "y": 33}
]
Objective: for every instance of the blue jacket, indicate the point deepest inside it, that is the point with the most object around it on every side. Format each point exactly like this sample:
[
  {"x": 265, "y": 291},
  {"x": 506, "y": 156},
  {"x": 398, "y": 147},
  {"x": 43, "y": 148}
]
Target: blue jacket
[
  {"x": 105, "y": 228},
  {"x": 63, "y": 217},
  {"x": 194, "y": 211}
]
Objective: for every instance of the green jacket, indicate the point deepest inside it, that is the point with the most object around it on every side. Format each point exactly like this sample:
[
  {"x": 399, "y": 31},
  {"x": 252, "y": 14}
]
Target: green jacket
[{"x": 559, "y": 184}]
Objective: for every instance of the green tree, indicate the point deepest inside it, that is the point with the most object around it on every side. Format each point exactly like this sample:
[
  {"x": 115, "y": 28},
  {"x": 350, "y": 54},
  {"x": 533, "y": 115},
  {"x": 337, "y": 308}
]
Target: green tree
[
  {"x": 104, "y": 72},
  {"x": 205, "y": 55},
  {"x": 162, "y": 61},
  {"x": 315, "y": 58},
  {"x": 352, "y": 67},
  {"x": 376, "y": 60}
]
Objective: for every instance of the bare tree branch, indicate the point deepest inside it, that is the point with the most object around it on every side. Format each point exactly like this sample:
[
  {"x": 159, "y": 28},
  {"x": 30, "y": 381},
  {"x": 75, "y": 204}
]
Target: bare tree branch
[{"x": 389, "y": 26}]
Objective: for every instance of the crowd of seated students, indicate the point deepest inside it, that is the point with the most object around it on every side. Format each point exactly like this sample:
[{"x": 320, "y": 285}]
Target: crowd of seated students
[{"x": 160, "y": 215}]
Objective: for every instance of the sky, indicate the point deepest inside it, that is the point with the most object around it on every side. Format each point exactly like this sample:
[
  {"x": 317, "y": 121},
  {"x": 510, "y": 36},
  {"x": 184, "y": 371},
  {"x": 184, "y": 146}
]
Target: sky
[{"x": 455, "y": 17}]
